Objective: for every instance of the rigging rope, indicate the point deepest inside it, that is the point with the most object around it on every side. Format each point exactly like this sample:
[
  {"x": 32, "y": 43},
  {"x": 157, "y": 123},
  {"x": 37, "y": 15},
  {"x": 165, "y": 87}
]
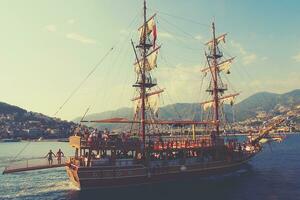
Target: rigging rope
[
  {"x": 114, "y": 63},
  {"x": 20, "y": 152},
  {"x": 84, "y": 80},
  {"x": 180, "y": 17},
  {"x": 187, "y": 35}
]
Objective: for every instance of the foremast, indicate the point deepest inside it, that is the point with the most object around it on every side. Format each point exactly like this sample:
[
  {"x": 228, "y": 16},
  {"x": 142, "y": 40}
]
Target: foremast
[
  {"x": 143, "y": 65},
  {"x": 143, "y": 88}
]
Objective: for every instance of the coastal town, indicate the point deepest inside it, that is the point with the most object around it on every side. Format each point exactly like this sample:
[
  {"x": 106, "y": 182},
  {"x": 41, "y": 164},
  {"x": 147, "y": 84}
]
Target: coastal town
[
  {"x": 33, "y": 126},
  {"x": 254, "y": 123}
]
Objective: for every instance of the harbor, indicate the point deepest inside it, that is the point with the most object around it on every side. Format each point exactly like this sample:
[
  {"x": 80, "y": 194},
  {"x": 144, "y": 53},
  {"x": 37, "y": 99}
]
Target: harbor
[
  {"x": 149, "y": 99},
  {"x": 252, "y": 182}
]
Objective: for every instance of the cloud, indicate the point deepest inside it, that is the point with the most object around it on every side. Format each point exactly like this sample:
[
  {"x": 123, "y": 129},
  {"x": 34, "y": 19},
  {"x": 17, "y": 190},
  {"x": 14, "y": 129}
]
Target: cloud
[
  {"x": 247, "y": 57},
  {"x": 71, "y": 21},
  {"x": 51, "y": 28},
  {"x": 166, "y": 35},
  {"x": 182, "y": 83},
  {"x": 199, "y": 37},
  {"x": 285, "y": 84},
  {"x": 264, "y": 58},
  {"x": 80, "y": 38},
  {"x": 124, "y": 32},
  {"x": 296, "y": 58},
  {"x": 239, "y": 47}
]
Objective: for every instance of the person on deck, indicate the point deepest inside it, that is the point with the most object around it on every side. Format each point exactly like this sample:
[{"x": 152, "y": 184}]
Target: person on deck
[
  {"x": 49, "y": 156},
  {"x": 78, "y": 130},
  {"x": 59, "y": 154}
]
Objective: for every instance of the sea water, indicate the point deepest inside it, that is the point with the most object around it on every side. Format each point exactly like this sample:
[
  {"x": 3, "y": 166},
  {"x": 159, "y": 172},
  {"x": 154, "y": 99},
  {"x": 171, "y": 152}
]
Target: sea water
[{"x": 274, "y": 174}]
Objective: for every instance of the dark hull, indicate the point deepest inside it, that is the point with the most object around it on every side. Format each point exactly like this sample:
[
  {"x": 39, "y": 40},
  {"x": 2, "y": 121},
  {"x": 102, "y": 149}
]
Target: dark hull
[{"x": 89, "y": 178}]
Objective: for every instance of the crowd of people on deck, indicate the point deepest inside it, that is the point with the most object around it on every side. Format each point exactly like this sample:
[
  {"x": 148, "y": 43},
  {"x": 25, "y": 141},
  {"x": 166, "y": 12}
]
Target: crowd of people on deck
[{"x": 96, "y": 137}]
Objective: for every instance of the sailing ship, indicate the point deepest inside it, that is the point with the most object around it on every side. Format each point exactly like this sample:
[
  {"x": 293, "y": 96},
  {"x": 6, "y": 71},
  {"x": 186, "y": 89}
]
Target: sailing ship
[{"x": 146, "y": 155}]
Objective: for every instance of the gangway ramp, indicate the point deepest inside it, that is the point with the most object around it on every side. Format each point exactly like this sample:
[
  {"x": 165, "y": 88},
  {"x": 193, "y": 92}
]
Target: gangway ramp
[{"x": 33, "y": 164}]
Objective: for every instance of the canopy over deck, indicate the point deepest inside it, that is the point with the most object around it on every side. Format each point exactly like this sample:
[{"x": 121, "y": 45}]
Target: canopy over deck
[{"x": 167, "y": 122}]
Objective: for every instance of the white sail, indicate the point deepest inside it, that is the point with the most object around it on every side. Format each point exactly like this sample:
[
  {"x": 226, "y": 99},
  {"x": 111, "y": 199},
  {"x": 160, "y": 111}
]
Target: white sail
[
  {"x": 150, "y": 27},
  {"x": 207, "y": 105},
  {"x": 218, "y": 40},
  {"x": 223, "y": 66},
  {"x": 149, "y": 94},
  {"x": 153, "y": 103},
  {"x": 137, "y": 106},
  {"x": 230, "y": 99},
  {"x": 150, "y": 62}
]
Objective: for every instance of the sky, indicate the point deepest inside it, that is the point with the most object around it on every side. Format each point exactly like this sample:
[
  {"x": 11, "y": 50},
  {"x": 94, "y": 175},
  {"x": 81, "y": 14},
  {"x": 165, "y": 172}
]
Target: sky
[{"x": 48, "y": 47}]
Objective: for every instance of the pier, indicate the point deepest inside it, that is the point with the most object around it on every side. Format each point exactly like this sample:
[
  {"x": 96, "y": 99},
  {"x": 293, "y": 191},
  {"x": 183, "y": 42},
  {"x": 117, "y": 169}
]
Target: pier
[{"x": 33, "y": 164}]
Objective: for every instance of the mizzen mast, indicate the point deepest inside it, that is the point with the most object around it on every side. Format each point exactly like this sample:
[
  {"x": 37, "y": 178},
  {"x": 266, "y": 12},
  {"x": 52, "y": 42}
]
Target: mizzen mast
[
  {"x": 216, "y": 86},
  {"x": 215, "y": 80}
]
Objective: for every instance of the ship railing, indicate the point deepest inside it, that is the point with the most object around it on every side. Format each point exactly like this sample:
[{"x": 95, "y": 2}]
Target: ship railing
[
  {"x": 100, "y": 144},
  {"x": 181, "y": 144},
  {"x": 33, "y": 164},
  {"x": 159, "y": 144},
  {"x": 124, "y": 162}
]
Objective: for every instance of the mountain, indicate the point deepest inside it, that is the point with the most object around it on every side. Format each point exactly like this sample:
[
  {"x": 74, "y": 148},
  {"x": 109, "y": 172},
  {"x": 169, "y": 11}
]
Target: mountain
[
  {"x": 262, "y": 101},
  {"x": 10, "y": 109},
  {"x": 265, "y": 101}
]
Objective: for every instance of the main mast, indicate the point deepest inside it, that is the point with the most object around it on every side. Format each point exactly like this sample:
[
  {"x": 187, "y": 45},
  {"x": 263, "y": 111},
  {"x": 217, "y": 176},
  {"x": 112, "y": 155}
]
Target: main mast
[
  {"x": 143, "y": 89},
  {"x": 145, "y": 62}
]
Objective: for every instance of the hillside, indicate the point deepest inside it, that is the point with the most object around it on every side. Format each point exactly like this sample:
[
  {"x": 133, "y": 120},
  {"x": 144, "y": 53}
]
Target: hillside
[
  {"x": 10, "y": 109},
  {"x": 17, "y": 122},
  {"x": 262, "y": 101},
  {"x": 265, "y": 101}
]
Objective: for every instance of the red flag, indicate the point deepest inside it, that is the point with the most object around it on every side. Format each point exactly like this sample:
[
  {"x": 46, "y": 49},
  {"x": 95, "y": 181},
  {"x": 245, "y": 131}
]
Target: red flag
[{"x": 154, "y": 35}]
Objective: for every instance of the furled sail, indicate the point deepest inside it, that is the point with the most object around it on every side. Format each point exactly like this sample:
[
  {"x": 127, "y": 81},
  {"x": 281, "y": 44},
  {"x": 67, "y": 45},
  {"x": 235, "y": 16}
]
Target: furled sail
[
  {"x": 152, "y": 102},
  {"x": 225, "y": 99},
  {"x": 229, "y": 100},
  {"x": 150, "y": 63},
  {"x": 207, "y": 105},
  {"x": 137, "y": 106},
  {"x": 218, "y": 40},
  {"x": 150, "y": 28},
  {"x": 149, "y": 94},
  {"x": 223, "y": 66}
]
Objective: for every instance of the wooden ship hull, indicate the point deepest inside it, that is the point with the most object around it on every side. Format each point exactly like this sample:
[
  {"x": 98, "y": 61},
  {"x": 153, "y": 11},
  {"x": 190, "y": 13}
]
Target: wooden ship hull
[
  {"x": 108, "y": 177},
  {"x": 146, "y": 154},
  {"x": 124, "y": 172}
]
